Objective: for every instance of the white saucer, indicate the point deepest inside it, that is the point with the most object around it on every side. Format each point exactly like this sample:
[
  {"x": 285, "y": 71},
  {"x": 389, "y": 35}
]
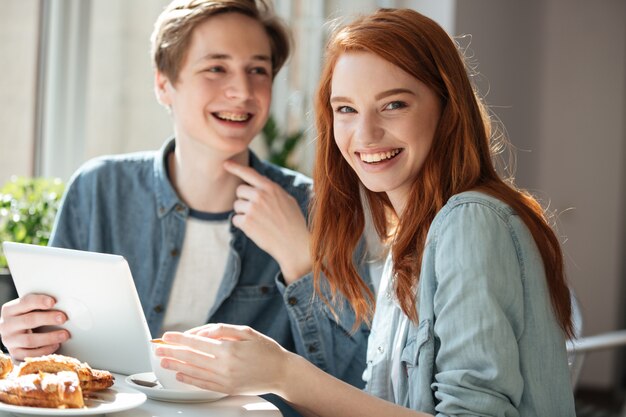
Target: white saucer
[
  {"x": 176, "y": 396},
  {"x": 117, "y": 398}
]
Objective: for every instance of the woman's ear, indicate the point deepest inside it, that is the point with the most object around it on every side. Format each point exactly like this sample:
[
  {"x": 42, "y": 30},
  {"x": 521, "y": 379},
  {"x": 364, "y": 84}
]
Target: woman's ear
[{"x": 162, "y": 89}]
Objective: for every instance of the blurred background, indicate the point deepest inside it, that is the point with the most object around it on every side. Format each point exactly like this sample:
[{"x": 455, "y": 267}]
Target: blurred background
[{"x": 76, "y": 82}]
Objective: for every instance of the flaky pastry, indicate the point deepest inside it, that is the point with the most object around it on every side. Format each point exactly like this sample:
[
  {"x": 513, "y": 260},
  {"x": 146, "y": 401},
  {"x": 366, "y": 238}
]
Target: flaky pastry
[
  {"x": 60, "y": 390},
  {"x": 6, "y": 365},
  {"x": 90, "y": 379}
]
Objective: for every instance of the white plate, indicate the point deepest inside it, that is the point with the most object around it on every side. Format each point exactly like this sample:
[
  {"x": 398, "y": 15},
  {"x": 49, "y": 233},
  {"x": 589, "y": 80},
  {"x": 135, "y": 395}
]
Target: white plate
[
  {"x": 176, "y": 396},
  {"x": 117, "y": 398}
]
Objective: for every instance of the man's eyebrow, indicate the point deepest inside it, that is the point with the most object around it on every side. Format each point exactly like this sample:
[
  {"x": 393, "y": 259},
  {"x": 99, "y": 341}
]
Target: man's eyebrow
[
  {"x": 226, "y": 56},
  {"x": 378, "y": 96}
]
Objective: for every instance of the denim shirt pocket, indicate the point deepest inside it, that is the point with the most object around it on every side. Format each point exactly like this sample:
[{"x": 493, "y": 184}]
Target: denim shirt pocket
[
  {"x": 415, "y": 340},
  {"x": 417, "y": 365},
  {"x": 255, "y": 292}
]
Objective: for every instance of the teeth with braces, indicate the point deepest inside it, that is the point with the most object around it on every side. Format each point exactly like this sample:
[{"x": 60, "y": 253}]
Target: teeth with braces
[
  {"x": 378, "y": 156},
  {"x": 233, "y": 117}
]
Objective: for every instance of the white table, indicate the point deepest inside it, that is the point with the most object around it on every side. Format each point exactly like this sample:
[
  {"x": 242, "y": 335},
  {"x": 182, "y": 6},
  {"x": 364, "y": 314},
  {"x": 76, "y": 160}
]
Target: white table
[
  {"x": 244, "y": 406},
  {"x": 236, "y": 406}
]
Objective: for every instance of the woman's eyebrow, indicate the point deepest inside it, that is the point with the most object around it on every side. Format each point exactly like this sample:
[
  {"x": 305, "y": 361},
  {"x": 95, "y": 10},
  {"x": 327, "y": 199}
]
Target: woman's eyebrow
[
  {"x": 378, "y": 96},
  {"x": 392, "y": 92},
  {"x": 339, "y": 98}
]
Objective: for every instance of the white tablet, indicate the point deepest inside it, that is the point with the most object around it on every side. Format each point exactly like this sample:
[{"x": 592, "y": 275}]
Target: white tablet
[{"x": 96, "y": 291}]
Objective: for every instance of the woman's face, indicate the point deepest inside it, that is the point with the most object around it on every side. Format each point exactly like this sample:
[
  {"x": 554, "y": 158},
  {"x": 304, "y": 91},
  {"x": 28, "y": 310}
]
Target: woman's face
[{"x": 384, "y": 122}]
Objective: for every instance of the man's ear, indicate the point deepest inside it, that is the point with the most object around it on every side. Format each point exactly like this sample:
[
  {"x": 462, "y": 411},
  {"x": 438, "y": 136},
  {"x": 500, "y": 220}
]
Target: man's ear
[{"x": 162, "y": 89}]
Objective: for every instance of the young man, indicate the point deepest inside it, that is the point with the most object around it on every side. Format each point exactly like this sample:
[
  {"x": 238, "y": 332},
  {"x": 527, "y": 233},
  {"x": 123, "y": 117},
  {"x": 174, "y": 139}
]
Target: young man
[{"x": 211, "y": 233}]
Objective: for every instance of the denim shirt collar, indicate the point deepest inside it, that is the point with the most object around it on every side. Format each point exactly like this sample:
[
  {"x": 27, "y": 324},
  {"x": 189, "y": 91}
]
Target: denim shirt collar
[{"x": 166, "y": 197}]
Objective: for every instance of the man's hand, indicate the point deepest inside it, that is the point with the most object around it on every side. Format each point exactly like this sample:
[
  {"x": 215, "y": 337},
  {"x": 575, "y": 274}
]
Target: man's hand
[
  {"x": 18, "y": 323},
  {"x": 271, "y": 217}
]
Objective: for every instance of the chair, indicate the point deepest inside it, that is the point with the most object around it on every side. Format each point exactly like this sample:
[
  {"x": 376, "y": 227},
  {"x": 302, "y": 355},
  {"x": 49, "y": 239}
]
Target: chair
[{"x": 579, "y": 345}]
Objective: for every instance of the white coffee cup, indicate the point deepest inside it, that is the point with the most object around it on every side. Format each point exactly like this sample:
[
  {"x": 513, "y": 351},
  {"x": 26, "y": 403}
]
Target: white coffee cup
[{"x": 166, "y": 377}]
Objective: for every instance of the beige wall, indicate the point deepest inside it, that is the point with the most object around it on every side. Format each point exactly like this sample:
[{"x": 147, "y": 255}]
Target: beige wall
[
  {"x": 122, "y": 112},
  {"x": 18, "y": 35},
  {"x": 557, "y": 76}
]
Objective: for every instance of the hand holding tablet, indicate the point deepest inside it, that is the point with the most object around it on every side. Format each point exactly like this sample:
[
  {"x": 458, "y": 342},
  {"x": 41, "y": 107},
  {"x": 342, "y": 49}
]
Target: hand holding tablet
[{"x": 97, "y": 294}]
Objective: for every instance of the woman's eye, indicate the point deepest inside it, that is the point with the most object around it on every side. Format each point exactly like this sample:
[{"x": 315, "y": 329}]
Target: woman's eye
[
  {"x": 345, "y": 109},
  {"x": 394, "y": 105}
]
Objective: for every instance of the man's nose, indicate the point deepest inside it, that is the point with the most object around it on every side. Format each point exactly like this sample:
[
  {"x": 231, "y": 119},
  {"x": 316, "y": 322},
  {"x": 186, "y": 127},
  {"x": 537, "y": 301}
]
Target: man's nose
[{"x": 238, "y": 87}]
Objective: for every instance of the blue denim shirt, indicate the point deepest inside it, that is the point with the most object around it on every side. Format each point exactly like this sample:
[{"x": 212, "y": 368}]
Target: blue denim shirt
[
  {"x": 487, "y": 342},
  {"x": 126, "y": 205}
]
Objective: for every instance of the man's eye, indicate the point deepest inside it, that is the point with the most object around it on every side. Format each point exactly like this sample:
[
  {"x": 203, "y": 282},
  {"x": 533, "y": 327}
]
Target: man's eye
[
  {"x": 215, "y": 69},
  {"x": 259, "y": 70},
  {"x": 345, "y": 109},
  {"x": 394, "y": 105}
]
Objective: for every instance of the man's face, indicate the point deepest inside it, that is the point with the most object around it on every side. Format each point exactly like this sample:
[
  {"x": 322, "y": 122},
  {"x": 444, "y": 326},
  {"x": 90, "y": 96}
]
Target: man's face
[{"x": 222, "y": 97}]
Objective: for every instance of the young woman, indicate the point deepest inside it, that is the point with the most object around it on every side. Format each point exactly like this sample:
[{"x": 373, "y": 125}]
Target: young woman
[{"x": 473, "y": 308}]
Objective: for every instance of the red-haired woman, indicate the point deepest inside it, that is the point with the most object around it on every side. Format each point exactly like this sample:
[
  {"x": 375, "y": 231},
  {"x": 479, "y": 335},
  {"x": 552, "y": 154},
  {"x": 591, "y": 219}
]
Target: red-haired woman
[{"x": 473, "y": 307}]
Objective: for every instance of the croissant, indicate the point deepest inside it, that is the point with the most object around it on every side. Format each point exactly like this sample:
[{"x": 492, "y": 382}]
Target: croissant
[
  {"x": 61, "y": 390},
  {"x": 90, "y": 379},
  {"x": 6, "y": 365}
]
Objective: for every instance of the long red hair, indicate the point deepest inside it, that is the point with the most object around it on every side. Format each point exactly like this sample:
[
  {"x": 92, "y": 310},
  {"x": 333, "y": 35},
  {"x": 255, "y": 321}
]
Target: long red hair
[{"x": 460, "y": 159}]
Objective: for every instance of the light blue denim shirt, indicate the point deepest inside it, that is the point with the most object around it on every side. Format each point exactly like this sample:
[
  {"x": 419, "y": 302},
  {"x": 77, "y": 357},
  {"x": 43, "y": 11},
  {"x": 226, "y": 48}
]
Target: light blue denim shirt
[
  {"x": 126, "y": 205},
  {"x": 487, "y": 342}
]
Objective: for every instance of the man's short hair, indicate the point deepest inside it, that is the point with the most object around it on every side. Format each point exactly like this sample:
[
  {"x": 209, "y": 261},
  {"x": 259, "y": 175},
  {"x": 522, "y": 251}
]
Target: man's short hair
[{"x": 172, "y": 30}]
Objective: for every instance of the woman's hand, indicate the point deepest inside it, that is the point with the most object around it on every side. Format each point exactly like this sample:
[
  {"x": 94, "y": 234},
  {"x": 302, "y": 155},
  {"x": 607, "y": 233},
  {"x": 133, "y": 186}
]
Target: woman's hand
[
  {"x": 226, "y": 358},
  {"x": 272, "y": 218}
]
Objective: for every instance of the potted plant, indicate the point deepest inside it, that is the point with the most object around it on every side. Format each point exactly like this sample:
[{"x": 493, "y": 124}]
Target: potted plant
[
  {"x": 280, "y": 146},
  {"x": 28, "y": 207}
]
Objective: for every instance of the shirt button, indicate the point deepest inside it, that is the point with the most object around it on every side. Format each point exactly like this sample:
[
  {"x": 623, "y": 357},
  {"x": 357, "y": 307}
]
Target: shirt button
[
  {"x": 174, "y": 252},
  {"x": 265, "y": 290},
  {"x": 158, "y": 309},
  {"x": 179, "y": 208},
  {"x": 292, "y": 301},
  {"x": 312, "y": 348},
  {"x": 381, "y": 349}
]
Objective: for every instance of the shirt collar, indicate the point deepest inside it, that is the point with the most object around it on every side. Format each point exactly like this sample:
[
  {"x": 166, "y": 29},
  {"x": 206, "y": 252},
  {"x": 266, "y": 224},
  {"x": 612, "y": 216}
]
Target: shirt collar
[{"x": 166, "y": 197}]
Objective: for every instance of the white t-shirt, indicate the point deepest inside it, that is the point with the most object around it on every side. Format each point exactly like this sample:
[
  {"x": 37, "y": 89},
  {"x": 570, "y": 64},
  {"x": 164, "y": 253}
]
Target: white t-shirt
[
  {"x": 386, "y": 340},
  {"x": 200, "y": 270}
]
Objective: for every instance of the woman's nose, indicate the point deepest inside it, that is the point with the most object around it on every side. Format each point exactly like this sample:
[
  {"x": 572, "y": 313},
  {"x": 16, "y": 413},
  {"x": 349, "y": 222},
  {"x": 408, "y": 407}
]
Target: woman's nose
[{"x": 369, "y": 128}]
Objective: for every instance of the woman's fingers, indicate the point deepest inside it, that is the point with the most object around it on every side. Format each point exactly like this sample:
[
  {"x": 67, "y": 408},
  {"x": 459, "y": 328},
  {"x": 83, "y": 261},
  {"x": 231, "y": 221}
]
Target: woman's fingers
[
  {"x": 217, "y": 331},
  {"x": 225, "y": 358},
  {"x": 211, "y": 385}
]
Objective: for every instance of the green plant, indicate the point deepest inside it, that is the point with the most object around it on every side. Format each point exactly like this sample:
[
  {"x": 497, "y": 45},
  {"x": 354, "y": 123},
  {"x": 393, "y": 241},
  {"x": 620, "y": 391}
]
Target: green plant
[
  {"x": 28, "y": 207},
  {"x": 280, "y": 147}
]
